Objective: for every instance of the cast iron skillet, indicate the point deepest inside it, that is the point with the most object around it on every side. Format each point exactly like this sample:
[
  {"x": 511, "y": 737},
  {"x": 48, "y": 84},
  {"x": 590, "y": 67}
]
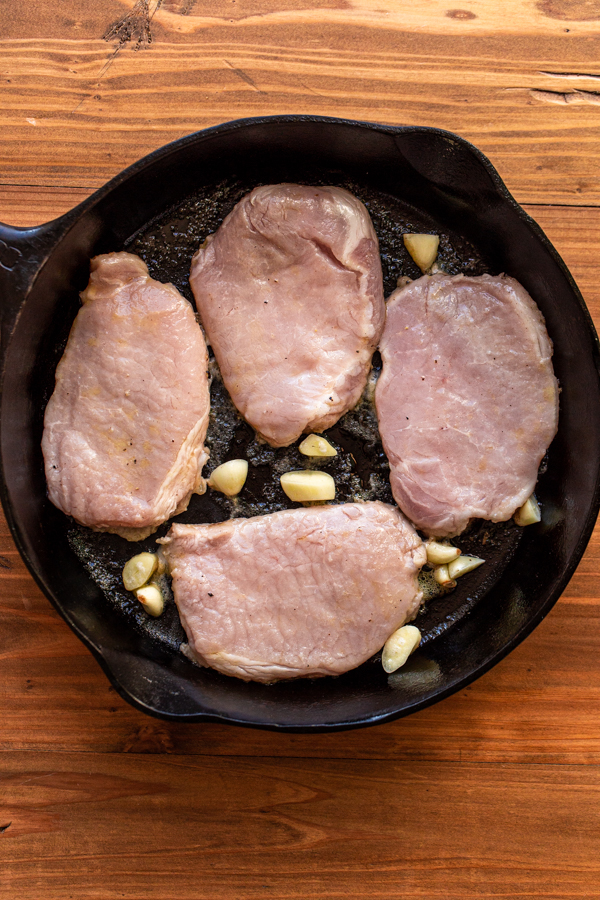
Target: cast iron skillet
[{"x": 448, "y": 185}]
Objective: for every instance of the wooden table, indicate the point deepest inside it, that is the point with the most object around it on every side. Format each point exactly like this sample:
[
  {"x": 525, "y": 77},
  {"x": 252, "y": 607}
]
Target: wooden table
[{"x": 493, "y": 792}]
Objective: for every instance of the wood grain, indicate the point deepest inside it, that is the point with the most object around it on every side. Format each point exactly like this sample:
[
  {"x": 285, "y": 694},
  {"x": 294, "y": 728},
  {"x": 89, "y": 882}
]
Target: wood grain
[
  {"x": 494, "y": 791},
  {"x": 135, "y": 827},
  {"x": 423, "y": 16},
  {"x": 76, "y": 109}
]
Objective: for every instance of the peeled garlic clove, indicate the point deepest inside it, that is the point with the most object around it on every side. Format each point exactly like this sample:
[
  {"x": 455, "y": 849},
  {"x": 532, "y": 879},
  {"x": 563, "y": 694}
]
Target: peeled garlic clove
[
  {"x": 440, "y": 554},
  {"x": 151, "y": 599},
  {"x": 423, "y": 248},
  {"x": 442, "y": 576},
  {"x": 399, "y": 646},
  {"x": 138, "y": 570},
  {"x": 529, "y": 513},
  {"x": 315, "y": 445},
  {"x": 230, "y": 477},
  {"x": 462, "y": 565},
  {"x": 307, "y": 485}
]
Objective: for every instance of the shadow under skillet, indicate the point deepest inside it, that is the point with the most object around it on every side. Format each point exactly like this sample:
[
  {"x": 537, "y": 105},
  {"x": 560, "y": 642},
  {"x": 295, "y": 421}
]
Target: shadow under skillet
[{"x": 361, "y": 469}]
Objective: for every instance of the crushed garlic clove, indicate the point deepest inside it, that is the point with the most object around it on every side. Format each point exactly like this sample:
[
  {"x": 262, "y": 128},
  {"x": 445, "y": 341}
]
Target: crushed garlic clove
[{"x": 316, "y": 445}]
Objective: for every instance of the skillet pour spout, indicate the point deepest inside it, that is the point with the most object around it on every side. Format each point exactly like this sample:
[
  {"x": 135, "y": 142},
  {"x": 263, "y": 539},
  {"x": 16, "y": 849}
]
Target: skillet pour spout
[{"x": 169, "y": 201}]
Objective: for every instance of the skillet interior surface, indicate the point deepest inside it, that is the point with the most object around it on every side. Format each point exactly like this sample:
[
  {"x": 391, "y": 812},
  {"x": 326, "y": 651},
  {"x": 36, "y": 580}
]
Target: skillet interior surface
[{"x": 162, "y": 209}]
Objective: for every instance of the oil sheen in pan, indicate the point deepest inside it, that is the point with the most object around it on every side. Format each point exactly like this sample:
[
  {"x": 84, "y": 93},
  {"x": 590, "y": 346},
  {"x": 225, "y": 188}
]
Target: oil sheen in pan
[{"x": 360, "y": 470}]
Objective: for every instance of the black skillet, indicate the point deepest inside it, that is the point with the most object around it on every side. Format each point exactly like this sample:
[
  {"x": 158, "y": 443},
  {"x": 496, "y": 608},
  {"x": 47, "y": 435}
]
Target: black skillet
[{"x": 411, "y": 178}]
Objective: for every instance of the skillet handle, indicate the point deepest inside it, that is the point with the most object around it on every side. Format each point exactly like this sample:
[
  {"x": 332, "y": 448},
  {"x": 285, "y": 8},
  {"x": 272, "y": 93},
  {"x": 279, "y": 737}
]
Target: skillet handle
[{"x": 23, "y": 251}]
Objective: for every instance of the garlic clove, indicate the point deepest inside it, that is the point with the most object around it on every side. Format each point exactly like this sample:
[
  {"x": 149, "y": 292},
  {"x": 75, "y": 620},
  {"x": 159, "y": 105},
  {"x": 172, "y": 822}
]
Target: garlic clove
[
  {"x": 529, "y": 513},
  {"x": 306, "y": 485},
  {"x": 151, "y": 598},
  {"x": 423, "y": 248},
  {"x": 462, "y": 565},
  {"x": 230, "y": 477},
  {"x": 399, "y": 647},
  {"x": 316, "y": 445},
  {"x": 440, "y": 554},
  {"x": 442, "y": 576},
  {"x": 138, "y": 570}
]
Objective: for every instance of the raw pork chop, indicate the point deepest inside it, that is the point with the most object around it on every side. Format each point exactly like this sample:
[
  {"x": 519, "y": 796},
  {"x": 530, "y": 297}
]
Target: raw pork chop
[
  {"x": 125, "y": 426},
  {"x": 290, "y": 294},
  {"x": 467, "y": 399},
  {"x": 302, "y": 592}
]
